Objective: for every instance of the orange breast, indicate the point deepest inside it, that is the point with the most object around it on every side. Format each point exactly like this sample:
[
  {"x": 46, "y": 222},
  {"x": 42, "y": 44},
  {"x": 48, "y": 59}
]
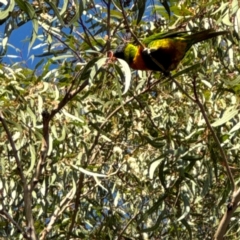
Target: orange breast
[{"x": 138, "y": 61}]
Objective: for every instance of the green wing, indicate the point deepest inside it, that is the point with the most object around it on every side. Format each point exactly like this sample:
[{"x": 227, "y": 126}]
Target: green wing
[
  {"x": 159, "y": 36},
  {"x": 190, "y": 38}
]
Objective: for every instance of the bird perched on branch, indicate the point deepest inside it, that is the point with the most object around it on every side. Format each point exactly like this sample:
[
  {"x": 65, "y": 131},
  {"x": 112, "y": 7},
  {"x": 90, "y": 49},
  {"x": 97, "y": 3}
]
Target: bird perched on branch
[{"x": 162, "y": 51}]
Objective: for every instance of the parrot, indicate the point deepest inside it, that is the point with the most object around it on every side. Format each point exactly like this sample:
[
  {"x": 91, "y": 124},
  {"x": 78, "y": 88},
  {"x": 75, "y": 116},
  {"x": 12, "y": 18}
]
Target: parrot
[{"x": 162, "y": 51}]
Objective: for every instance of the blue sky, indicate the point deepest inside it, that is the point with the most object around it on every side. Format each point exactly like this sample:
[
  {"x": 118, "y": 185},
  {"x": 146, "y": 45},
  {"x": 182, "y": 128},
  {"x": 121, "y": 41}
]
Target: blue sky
[{"x": 18, "y": 46}]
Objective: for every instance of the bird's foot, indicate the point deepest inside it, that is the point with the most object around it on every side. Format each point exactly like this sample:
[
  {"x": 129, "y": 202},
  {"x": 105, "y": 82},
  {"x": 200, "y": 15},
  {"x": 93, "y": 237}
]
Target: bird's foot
[{"x": 146, "y": 51}]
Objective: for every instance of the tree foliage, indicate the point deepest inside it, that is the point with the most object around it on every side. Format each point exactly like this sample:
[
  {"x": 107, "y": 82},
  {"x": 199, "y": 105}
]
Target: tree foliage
[{"x": 90, "y": 150}]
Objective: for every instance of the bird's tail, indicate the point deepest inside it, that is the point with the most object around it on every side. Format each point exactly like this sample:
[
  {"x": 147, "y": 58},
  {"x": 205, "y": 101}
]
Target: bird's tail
[{"x": 204, "y": 35}]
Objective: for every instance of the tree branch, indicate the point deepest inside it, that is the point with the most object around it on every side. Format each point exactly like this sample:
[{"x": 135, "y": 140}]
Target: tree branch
[
  {"x": 27, "y": 194},
  {"x": 76, "y": 205},
  {"x": 231, "y": 208},
  {"x": 58, "y": 211}
]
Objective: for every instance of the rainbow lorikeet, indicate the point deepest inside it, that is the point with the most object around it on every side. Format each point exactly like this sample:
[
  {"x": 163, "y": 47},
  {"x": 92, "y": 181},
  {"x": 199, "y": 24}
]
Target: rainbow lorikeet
[{"x": 163, "y": 51}]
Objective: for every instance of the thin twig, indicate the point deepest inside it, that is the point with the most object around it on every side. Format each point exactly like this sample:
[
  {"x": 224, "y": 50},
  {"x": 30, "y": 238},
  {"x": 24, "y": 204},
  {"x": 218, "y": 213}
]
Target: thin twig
[
  {"x": 57, "y": 212},
  {"x": 15, "y": 152},
  {"x": 67, "y": 45},
  {"x": 223, "y": 154},
  {"x": 202, "y": 109},
  {"x": 181, "y": 88},
  {"x": 147, "y": 113},
  {"x": 68, "y": 96},
  {"x": 85, "y": 29},
  {"x": 108, "y": 4},
  {"x": 44, "y": 150},
  {"x": 113, "y": 34},
  {"x": 127, "y": 25},
  {"x": 127, "y": 101},
  {"x": 124, "y": 229},
  {"x": 6, "y": 215},
  {"x": 86, "y": 39},
  {"x": 76, "y": 205},
  {"x": 222, "y": 227}
]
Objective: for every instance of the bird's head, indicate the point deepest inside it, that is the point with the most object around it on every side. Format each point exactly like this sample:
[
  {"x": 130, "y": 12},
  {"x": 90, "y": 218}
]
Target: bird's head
[
  {"x": 126, "y": 52},
  {"x": 119, "y": 52}
]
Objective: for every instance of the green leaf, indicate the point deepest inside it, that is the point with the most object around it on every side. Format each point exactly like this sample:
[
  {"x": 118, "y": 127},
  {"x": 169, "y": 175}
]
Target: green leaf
[
  {"x": 141, "y": 4},
  {"x": 58, "y": 14},
  {"x": 127, "y": 73},
  {"x": 96, "y": 67},
  {"x": 222, "y": 8},
  {"x": 235, "y": 6},
  {"x": 188, "y": 227},
  {"x": 33, "y": 159},
  {"x": 75, "y": 118},
  {"x": 156, "y": 226},
  {"x": 29, "y": 10},
  {"x": 89, "y": 173},
  {"x": 7, "y": 32},
  {"x": 226, "y": 20},
  {"x": 154, "y": 164},
  {"x": 166, "y": 6},
  {"x": 4, "y": 13},
  {"x": 187, "y": 70},
  {"x": 228, "y": 115},
  {"x": 186, "y": 208},
  {"x": 235, "y": 128}
]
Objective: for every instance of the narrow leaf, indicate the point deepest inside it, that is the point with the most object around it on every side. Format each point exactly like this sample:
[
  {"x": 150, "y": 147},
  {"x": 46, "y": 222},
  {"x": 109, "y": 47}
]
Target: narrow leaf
[
  {"x": 228, "y": 115},
  {"x": 127, "y": 73}
]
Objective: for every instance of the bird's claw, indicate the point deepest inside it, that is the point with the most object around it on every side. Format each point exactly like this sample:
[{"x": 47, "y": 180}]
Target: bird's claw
[{"x": 147, "y": 51}]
